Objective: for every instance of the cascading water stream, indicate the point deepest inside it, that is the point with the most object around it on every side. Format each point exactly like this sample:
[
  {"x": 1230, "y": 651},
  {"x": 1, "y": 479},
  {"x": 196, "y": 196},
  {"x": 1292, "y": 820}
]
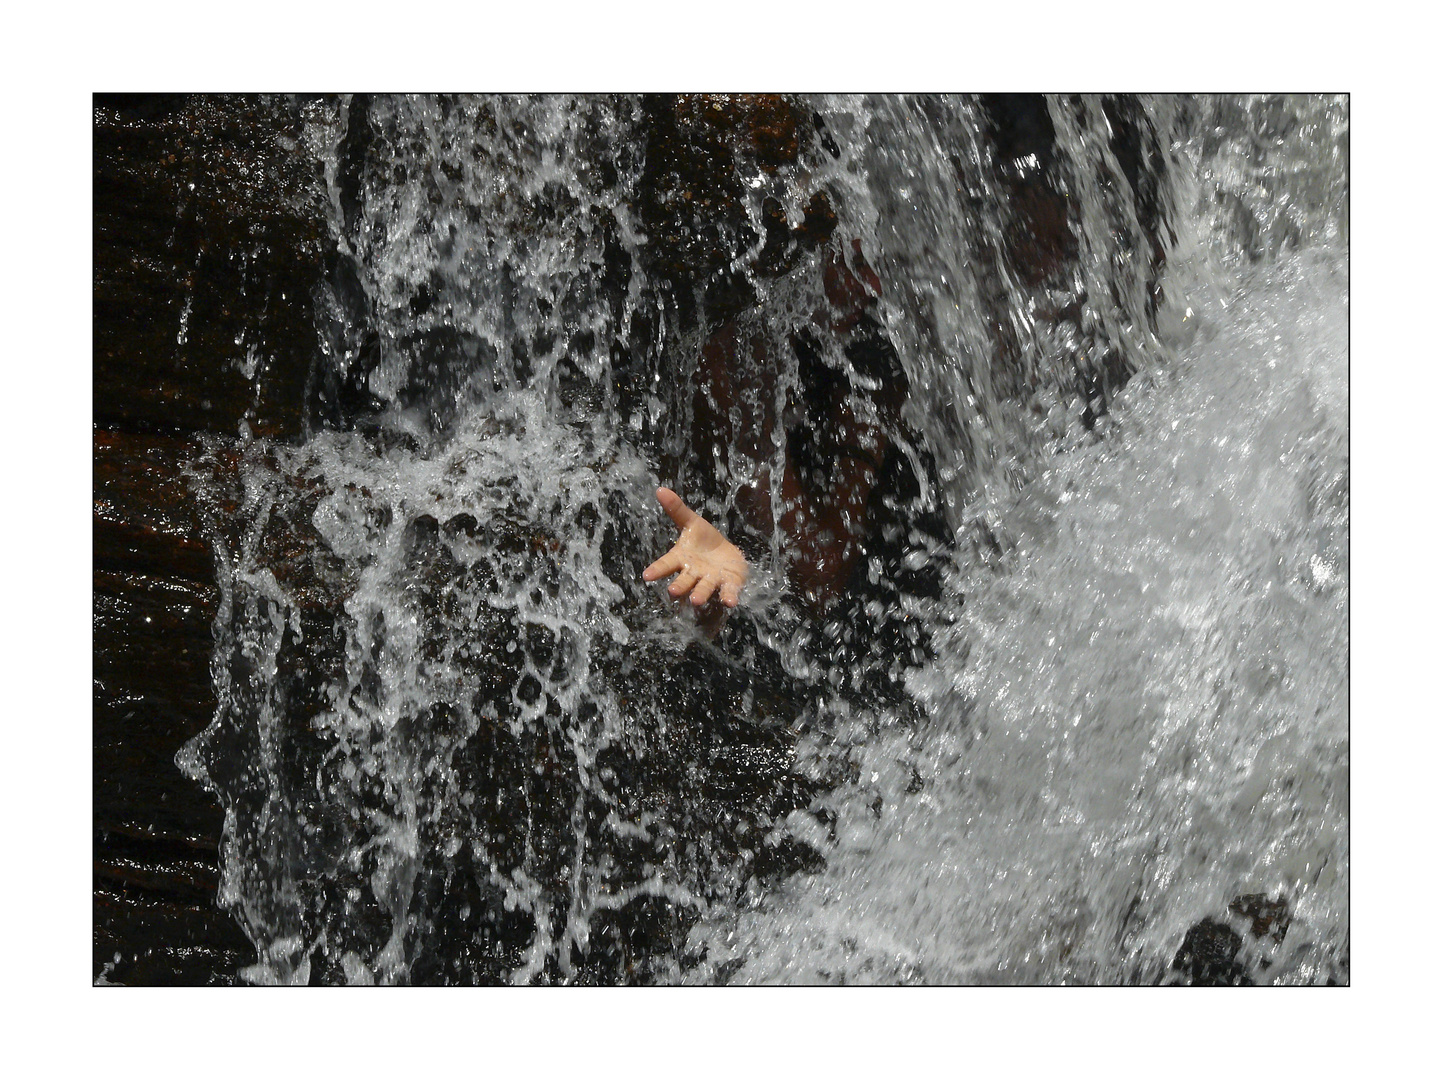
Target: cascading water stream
[
  {"x": 1096, "y": 692},
  {"x": 1141, "y": 713}
]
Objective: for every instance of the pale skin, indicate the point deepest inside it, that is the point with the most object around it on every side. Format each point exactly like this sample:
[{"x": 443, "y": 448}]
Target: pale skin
[
  {"x": 822, "y": 535},
  {"x": 704, "y": 561}
]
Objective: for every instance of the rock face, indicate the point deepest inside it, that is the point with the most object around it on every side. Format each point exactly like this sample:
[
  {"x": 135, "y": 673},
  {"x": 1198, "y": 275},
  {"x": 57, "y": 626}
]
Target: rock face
[
  {"x": 1270, "y": 917},
  {"x": 155, "y": 833},
  {"x": 210, "y": 253},
  {"x": 208, "y": 247},
  {"x": 545, "y": 788},
  {"x": 700, "y": 151},
  {"x": 205, "y": 257},
  {"x": 447, "y": 747},
  {"x": 1208, "y": 956},
  {"x": 1210, "y": 951}
]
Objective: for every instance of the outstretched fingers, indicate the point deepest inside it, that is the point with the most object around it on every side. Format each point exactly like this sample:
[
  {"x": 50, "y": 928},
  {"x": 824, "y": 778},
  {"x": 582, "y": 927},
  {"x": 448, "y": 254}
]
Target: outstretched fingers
[
  {"x": 704, "y": 563},
  {"x": 680, "y": 514},
  {"x": 702, "y": 593},
  {"x": 669, "y": 563},
  {"x": 683, "y": 583}
]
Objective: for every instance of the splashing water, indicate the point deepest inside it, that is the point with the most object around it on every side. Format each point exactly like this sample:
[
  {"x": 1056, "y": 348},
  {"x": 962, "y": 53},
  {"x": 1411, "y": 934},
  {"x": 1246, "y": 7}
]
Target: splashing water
[
  {"x": 460, "y": 741},
  {"x": 1142, "y": 711}
]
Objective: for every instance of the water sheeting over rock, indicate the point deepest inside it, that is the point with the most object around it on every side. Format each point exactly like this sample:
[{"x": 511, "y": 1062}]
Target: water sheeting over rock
[{"x": 996, "y": 718}]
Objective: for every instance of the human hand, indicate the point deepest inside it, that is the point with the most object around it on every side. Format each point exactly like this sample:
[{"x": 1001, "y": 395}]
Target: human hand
[{"x": 703, "y": 560}]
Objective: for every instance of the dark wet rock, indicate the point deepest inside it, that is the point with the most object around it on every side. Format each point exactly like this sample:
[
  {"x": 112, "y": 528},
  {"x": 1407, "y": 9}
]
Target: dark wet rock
[
  {"x": 701, "y": 152},
  {"x": 155, "y": 832},
  {"x": 1213, "y": 953},
  {"x": 207, "y": 247},
  {"x": 215, "y": 285},
  {"x": 1040, "y": 231},
  {"x": 1208, "y": 956},
  {"x": 504, "y": 784},
  {"x": 1265, "y": 916},
  {"x": 1040, "y": 243},
  {"x": 206, "y": 250}
]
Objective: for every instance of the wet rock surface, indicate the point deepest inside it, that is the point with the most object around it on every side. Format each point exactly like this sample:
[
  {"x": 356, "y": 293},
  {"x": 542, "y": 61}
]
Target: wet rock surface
[
  {"x": 204, "y": 259},
  {"x": 1265, "y": 916},
  {"x": 218, "y": 287},
  {"x": 208, "y": 246},
  {"x": 209, "y": 254},
  {"x": 1208, "y": 956},
  {"x": 1212, "y": 951},
  {"x": 433, "y": 837}
]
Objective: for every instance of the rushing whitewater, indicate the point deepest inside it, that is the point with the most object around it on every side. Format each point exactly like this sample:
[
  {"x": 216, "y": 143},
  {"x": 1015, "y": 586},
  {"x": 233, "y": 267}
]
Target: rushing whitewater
[
  {"x": 459, "y": 740},
  {"x": 1142, "y": 711}
]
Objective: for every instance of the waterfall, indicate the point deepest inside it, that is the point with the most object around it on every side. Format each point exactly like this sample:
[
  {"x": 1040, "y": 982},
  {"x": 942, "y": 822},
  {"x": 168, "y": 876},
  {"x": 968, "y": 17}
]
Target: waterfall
[{"x": 1083, "y": 684}]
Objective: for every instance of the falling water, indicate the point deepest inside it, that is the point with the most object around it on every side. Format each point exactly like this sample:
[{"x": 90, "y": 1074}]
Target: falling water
[{"x": 459, "y": 740}]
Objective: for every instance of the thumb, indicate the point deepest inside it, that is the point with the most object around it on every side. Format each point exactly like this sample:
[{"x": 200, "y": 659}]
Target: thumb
[{"x": 680, "y": 514}]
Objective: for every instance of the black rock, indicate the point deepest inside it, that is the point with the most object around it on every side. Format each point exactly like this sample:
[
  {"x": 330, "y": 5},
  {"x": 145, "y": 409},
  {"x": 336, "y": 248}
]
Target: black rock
[{"x": 1208, "y": 956}]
